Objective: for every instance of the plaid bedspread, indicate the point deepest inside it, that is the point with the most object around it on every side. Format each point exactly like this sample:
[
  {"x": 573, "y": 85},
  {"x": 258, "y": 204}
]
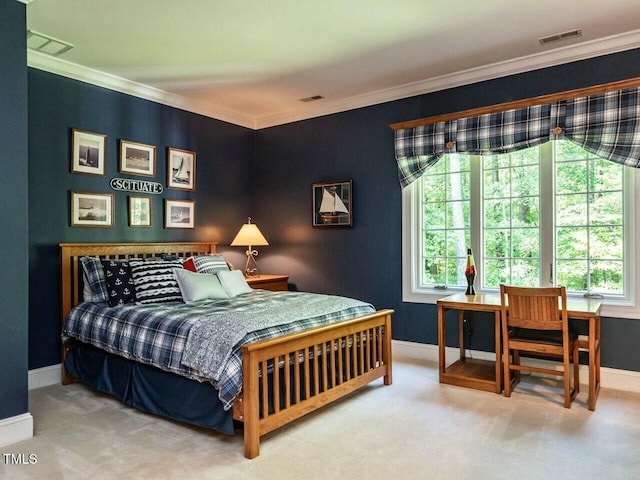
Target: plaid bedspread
[{"x": 156, "y": 334}]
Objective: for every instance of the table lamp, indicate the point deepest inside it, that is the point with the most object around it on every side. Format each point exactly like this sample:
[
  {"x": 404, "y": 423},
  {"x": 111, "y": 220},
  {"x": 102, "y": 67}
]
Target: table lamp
[{"x": 250, "y": 236}]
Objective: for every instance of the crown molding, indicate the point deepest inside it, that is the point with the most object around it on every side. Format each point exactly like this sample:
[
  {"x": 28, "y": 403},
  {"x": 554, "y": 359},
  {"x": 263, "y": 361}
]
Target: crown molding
[
  {"x": 67, "y": 69},
  {"x": 558, "y": 56}
]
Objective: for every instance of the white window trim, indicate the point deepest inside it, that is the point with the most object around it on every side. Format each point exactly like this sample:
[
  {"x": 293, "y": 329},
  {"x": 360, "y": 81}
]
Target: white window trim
[{"x": 413, "y": 293}]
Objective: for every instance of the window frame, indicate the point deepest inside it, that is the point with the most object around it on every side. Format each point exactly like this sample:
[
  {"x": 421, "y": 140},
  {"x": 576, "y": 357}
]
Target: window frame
[{"x": 413, "y": 292}]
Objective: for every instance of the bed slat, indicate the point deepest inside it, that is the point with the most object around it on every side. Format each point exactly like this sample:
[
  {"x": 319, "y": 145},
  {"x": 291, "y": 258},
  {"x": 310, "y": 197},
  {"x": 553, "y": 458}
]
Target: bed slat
[{"x": 366, "y": 341}]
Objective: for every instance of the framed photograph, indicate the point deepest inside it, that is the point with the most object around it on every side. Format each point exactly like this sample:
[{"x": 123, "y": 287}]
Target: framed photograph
[
  {"x": 91, "y": 209},
  {"x": 137, "y": 159},
  {"x": 179, "y": 213},
  {"x": 88, "y": 152},
  {"x": 331, "y": 203},
  {"x": 139, "y": 211},
  {"x": 181, "y": 169}
]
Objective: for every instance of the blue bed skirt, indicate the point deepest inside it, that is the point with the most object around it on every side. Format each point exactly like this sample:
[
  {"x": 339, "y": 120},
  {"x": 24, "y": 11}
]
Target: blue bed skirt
[{"x": 150, "y": 389}]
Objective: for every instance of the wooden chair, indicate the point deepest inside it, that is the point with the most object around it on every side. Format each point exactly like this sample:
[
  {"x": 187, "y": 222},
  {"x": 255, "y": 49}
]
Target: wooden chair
[{"x": 534, "y": 320}]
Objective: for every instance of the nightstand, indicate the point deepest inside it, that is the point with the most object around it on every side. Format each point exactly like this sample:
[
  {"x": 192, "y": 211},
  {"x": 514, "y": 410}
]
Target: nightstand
[{"x": 269, "y": 282}]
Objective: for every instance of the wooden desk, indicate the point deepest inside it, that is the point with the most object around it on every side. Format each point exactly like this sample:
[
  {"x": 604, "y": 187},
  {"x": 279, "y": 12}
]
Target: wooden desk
[
  {"x": 487, "y": 375},
  {"x": 470, "y": 372}
]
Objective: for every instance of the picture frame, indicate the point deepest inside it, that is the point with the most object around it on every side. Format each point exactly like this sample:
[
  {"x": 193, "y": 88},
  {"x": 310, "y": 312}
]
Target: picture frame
[
  {"x": 88, "y": 152},
  {"x": 332, "y": 204},
  {"x": 179, "y": 213},
  {"x": 181, "y": 169},
  {"x": 139, "y": 211},
  {"x": 90, "y": 209},
  {"x": 137, "y": 158}
]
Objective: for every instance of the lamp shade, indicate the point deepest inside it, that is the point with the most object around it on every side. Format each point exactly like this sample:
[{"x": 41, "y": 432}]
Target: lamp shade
[{"x": 249, "y": 235}]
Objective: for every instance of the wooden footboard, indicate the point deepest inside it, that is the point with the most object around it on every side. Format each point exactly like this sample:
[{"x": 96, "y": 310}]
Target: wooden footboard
[{"x": 319, "y": 366}]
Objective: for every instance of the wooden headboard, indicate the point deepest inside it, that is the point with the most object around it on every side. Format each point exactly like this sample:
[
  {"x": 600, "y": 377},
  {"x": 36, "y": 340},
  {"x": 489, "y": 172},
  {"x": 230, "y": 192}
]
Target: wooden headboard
[{"x": 71, "y": 270}]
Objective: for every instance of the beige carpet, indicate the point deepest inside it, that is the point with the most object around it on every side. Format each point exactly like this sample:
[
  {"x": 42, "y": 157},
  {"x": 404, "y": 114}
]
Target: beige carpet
[{"x": 414, "y": 429}]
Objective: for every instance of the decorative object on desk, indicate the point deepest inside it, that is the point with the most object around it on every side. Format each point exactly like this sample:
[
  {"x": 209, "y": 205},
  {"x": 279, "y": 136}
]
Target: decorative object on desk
[
  {"x": 470, "y": 273},
  {"x": 250, "y": 236},
  {"x": 332, "y": 204}
]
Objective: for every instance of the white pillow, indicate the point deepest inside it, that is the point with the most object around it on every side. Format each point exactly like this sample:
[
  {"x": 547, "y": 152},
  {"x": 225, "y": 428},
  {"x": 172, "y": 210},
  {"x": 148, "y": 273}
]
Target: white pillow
[
  {"x": 199, "y": 286},
  {"x": 234, "y": 283}
]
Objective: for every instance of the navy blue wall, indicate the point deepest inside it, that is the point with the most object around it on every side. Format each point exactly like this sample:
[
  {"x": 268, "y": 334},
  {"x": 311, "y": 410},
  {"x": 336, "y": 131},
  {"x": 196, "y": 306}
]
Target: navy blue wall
[
  {"x": 224, "y": 157},
  {"x": 365, "y": 261},
  {"x": 268, "y": 175},
  {"x": 14, "y": 215}
]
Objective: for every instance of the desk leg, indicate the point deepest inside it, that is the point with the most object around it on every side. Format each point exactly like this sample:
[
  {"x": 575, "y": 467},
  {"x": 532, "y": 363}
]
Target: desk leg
[
  {"x": 594, "y": 361},
  {"x": 498, "y": 340},
  {"x": 441, "y": 343},
  {"x": 598, "y": 350}
]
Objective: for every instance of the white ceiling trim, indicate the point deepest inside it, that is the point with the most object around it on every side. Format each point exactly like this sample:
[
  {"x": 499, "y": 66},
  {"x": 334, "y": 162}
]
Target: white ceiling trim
[
  {"x": 67, "y": 69},
  {"x": 581, "y": 51},
  {"x": 617, "y": 43}
]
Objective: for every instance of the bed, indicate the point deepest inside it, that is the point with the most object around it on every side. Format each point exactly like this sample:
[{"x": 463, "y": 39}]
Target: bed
[{"x": 282, "y": 378}]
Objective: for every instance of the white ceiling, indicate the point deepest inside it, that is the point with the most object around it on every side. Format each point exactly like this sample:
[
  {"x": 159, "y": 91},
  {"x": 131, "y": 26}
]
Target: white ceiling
[{"x": 251, "y": 61}]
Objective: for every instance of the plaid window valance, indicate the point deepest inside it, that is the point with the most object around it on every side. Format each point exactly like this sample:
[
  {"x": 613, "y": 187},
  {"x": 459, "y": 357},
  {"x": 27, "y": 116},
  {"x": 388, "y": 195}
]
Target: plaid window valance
[{"x": 605, "y": 124}]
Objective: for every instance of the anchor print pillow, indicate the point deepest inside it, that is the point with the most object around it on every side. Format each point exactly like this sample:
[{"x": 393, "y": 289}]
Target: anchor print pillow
[{"x": 120, "y": 286}]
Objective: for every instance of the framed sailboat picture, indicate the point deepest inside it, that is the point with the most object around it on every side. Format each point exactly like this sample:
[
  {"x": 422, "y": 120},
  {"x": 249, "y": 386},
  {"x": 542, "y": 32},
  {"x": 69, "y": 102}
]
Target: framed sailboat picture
[
  {"x": 179, "y": 213},
  {"x": 332, "y": 204},
  {"x": 181, "y": 169}
]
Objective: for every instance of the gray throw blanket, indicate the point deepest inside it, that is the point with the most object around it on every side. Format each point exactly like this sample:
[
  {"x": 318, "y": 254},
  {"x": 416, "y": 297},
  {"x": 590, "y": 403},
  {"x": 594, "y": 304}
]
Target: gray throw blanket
[{"x": 210, "y": 342}]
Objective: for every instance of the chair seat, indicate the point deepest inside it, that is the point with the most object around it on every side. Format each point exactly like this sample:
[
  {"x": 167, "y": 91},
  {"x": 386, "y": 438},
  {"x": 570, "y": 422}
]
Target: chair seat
[{"x": 546, "y": 337}]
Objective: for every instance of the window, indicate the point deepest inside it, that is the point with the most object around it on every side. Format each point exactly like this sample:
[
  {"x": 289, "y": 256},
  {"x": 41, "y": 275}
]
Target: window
[
  {"x": 552, "y": 214},
  {"x": 510, "y": 210}
]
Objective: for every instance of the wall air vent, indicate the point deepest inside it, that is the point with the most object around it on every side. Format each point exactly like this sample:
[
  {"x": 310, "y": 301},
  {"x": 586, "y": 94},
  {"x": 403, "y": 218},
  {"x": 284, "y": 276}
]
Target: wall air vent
[
  {"x": 311, "y": 99},
  {"x": 46, "y": 44},
  {"x": 560, "y": 36}
]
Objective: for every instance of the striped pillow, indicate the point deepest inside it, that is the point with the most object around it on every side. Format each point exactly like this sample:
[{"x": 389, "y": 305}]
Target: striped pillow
[
  {"x": 210, "y": 263},
  {"x": 155, "y": 282}
]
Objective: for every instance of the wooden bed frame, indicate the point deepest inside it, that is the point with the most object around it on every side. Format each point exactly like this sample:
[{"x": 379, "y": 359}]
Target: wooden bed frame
[{"x": 337, "y": 349}]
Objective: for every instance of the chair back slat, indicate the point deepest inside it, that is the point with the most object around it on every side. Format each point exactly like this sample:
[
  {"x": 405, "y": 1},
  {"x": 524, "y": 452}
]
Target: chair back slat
[{"x": 534, "y": 308}]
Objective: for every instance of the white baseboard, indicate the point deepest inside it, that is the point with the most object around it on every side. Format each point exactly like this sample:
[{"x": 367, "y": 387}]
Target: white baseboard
[
  {"x": 16, "y": 429},
  {"x": 19, "y": 428},
  {"x": 610, "y": 378},
  {"x": 45, "y": 376}
]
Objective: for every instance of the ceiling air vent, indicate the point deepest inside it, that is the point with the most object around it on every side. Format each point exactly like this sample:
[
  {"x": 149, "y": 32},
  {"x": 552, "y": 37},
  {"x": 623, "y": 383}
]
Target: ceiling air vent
[
  {"x": 560, "y": 36},
  {"x": 311, "y": 99},
  {"x": 46, "y": 44}
]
